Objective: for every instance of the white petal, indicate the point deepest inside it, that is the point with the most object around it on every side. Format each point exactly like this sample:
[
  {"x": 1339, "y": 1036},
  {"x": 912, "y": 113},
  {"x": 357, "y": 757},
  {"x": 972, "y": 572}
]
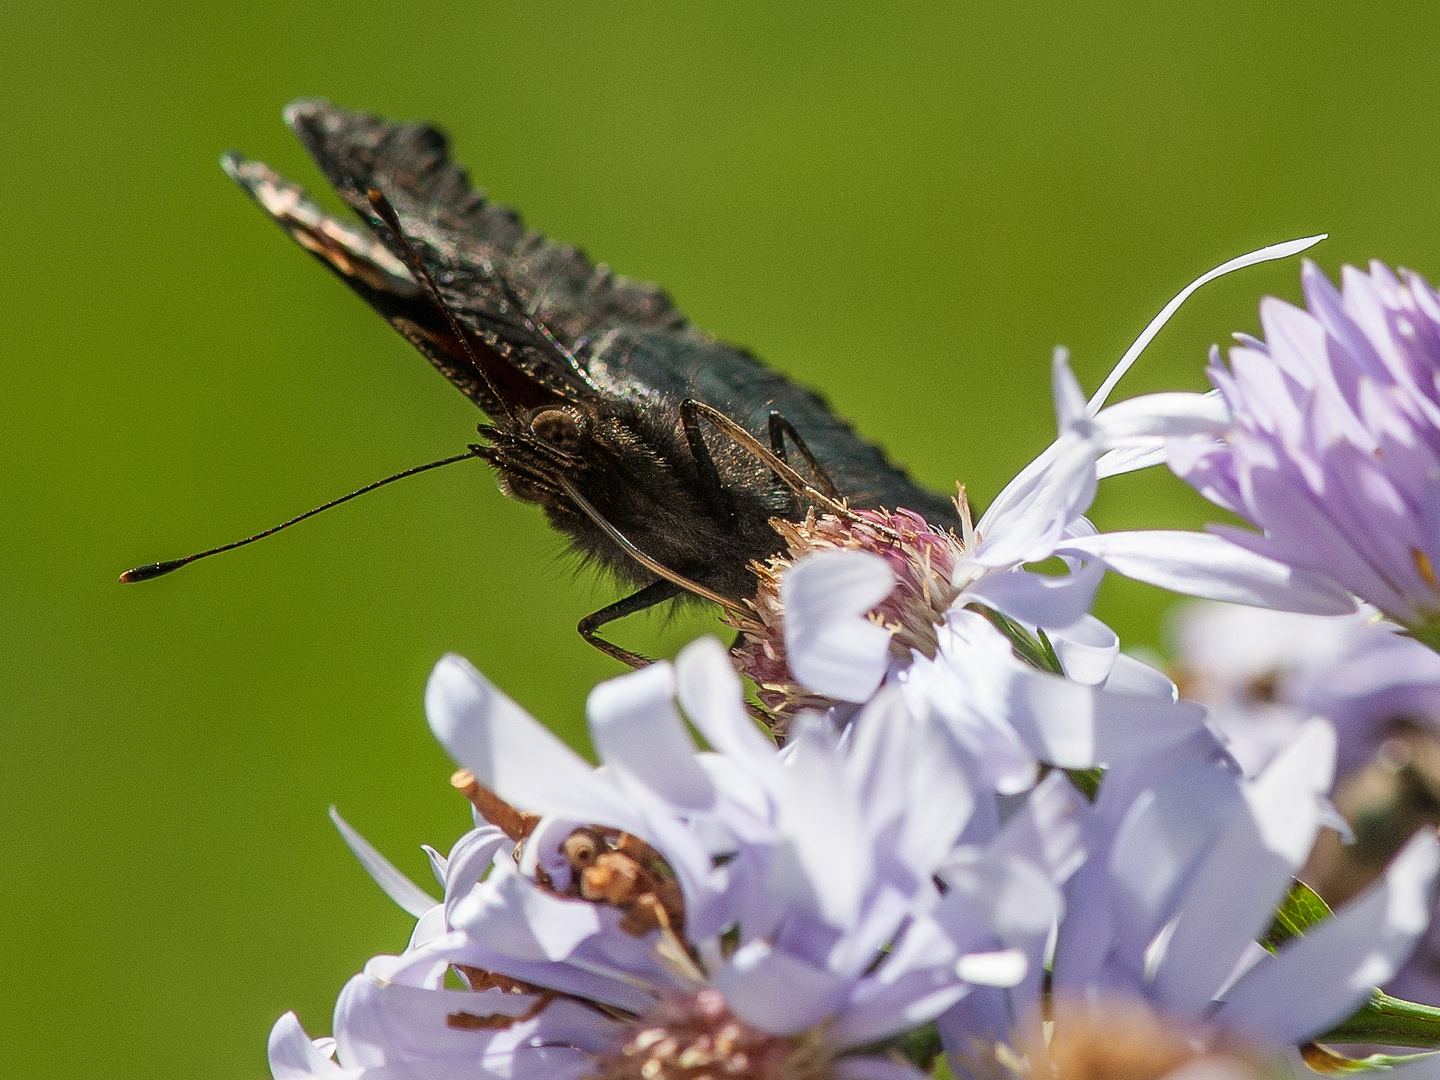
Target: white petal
[
  {"x": 639, "y": 734},
  {"x": 1065, "y": 388},
  {"x": 511, "y": 753},
  {"x": 713, "y": 699},
  {"x": 1047, "y": 600},
  {"x": 412, "y": 899},
  {"x": 1317, "y": 981},
  {"x": 1006, "y": 967},
  {"x": 821, "y": 818},
  {"x": 292, "y": 1054},
  {"x": 1202, "y": 564},
  {"x": 1274, "y": 251},
  {"x": 831, "y": 647}
]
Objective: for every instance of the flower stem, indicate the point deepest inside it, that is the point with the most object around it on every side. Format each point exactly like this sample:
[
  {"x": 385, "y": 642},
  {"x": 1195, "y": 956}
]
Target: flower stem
[{"x": 1388, "y": 1021}]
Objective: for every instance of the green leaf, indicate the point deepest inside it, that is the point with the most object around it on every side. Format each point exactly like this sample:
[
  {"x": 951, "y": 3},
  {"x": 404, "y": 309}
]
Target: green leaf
[
  {"x": 1389, "y": 1021},
  {"x": 1301, "y": 910},
  {"x": 1037, "y": 652},
  {"x": 920, "y": 1047},
  {"x": 1087, "y": 780}
]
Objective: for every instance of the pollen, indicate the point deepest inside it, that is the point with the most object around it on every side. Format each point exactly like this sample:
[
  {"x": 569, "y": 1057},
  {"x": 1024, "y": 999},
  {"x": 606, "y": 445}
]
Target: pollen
[
  {"x": 922, "y": 558},
  {"x": 697, "y": 1037},
  {"x": 622, "y": 871}
]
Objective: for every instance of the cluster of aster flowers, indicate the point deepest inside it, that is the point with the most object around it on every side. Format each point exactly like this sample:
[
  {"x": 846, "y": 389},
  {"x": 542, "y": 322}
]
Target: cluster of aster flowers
[{"x": 971, "y": 833}]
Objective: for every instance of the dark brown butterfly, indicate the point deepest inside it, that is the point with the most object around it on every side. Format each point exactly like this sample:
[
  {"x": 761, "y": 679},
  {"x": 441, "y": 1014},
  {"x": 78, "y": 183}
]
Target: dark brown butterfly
[{"x": 655, "y": 448}]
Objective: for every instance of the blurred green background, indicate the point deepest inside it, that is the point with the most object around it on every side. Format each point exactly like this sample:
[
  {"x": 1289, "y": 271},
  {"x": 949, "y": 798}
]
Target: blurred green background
[{"x": 905, "y": 205}]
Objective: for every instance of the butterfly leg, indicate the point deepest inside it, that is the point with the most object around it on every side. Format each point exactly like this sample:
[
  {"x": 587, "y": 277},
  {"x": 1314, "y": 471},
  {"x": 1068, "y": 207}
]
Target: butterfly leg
[
  {"x": 715, "y": 492},
  {"x": 657, "y": 592},
  {"x": 781, "y": 427}
]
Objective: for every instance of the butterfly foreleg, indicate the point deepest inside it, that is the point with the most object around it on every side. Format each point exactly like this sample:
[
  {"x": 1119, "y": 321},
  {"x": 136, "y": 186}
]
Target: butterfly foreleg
[
  {"x": 657, "y": 592},
  {"x": 715, "y": 493},
  {"x": 781, "y": 427}
]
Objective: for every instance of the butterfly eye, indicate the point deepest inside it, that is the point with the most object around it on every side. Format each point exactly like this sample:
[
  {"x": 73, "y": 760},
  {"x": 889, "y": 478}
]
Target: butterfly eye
[{"x": 557, "y": 428}]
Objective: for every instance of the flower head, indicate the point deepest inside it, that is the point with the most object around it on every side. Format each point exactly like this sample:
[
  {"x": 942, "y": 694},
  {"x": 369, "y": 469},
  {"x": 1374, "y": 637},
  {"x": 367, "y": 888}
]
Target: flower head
[
  {"x": 772, "y": 914},
  {"x": 827, "y": 627},
  {"x": 1186, "y": 864},
  {"x": 1263, "y": 674},
  {"x": 1332, "y": 448}
]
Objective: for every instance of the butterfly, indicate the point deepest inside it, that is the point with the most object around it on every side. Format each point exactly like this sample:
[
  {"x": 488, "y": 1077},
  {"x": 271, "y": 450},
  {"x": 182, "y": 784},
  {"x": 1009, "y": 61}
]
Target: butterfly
[{"x": 660, "y": 452}]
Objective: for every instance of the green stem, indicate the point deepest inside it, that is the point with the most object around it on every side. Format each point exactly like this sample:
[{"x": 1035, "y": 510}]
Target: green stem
[{"x": 1388, "y": 1021}]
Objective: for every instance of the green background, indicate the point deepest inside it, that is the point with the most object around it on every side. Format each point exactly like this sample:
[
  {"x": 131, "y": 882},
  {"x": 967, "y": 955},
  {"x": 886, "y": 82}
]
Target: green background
[{"x": 905, "y": 205}]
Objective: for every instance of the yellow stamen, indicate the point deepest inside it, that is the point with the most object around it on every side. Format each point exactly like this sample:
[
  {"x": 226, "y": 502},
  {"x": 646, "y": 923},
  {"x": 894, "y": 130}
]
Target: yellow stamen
[{"x": 1422, "y": 563}]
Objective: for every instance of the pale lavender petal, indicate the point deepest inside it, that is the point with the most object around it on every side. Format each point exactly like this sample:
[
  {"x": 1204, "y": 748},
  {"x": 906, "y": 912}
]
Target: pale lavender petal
[
  {"x": 293, "y": 1056},
  {"x": 1065, "y": 390},
  {"x": 1003, "y": 968},
  {"x": 1202, "y": 564},
  {"x": 1131, "y": 676},
  {"x": 1029, "y": 517},
  {"x": 1087, "y": 649},
  {"x": 713, "y": 699},
  {"x": 892, "y": 1008},
  {"x": 638, "y": 733},
  {"x": 820, "y": 816},
  {"x": 439, "y": 864},
  {"x": 1265, "y": 254},
  {"x": 1320, "y": 979},
  {"x": 874, "y": 1068},
  {"x": 1040, "y": 599},
  {"x": 776, "y": 992},
  {"x": 514, "y": 917},
  {"x": 830, "y": 645},
  {"x": 1128, "y": 459},
  {"x": 1163, "y": 416},
  {"x": 470, "y": 859},
  {"x": 511, "y": 753},
  {"x": 1158, "y": 845},
  {"x": 412, "y": 899},
  {"x": 1233, "y": 895},
  {"x": 1048, "y": 831},
  {"x": 1077, "y": 727}
]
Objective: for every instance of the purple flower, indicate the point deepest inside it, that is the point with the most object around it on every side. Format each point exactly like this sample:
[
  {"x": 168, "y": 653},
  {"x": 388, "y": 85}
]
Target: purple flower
[
  {"x": 1262, "y": 674},
  {"x": 1186, "y": 863},
  {"x": 771, "y": 914},
  {"x": 1333, "y": 444}
]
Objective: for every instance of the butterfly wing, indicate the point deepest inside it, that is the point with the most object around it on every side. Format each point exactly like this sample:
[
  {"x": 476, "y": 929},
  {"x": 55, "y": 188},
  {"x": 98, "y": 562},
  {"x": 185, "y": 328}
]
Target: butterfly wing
[{"x": 575, "y": 328}]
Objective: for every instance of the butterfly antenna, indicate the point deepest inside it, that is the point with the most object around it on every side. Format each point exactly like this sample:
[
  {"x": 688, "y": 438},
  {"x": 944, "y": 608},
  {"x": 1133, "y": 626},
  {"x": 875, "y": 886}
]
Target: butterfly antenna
[
  {"x": 385, "y": 211},
  {"x": 159, "y": 569}
]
